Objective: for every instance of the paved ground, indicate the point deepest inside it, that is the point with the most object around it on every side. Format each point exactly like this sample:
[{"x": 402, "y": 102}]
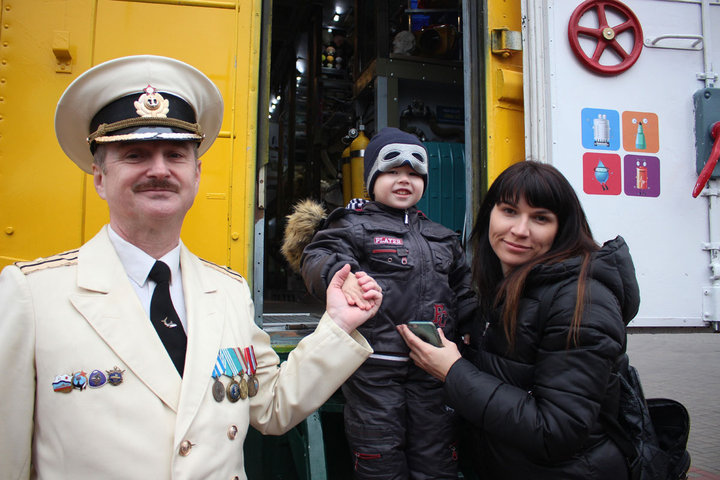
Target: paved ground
[{"x": 685, "y": 367}]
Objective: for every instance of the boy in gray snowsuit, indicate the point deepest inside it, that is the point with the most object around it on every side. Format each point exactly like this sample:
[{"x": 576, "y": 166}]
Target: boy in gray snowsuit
[{"x": 396, "y": 422}]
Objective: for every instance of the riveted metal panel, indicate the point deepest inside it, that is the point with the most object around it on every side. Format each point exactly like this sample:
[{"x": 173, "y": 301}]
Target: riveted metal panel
[{"x": 41, "y": 190}]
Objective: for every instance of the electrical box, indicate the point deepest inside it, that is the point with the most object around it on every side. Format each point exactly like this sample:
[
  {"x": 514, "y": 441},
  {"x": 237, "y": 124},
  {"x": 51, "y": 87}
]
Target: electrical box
[{"x": 707, "y": 113}]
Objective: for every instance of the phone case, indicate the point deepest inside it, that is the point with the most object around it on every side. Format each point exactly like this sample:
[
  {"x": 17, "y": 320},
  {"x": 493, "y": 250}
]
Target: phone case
[{"x": 426, "y": 331}]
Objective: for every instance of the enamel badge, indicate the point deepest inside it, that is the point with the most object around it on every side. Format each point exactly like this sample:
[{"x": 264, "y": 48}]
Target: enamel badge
[
  {"x": 79, "y": 380},
  {"x": 97, "y": 379},
  {"x": 115, "y": 376},
  {"x": 63, "y": 383}
]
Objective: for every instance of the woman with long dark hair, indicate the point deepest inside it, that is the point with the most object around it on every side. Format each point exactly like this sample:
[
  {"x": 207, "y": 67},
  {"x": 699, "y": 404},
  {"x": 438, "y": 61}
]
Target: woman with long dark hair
[{"x": 554, "y": 310}]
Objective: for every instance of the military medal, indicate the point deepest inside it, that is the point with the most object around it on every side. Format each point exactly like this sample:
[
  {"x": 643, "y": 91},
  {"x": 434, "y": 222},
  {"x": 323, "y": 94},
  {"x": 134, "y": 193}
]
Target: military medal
[
  {"x": 251, "y": 362},
  {"x": 218, "y": 389},
  {"x": 244, "y": 390},
  {"x": 253, "y": 386},
  {"x": 236, "y": 355},
  {"x": 235, "y": 390}
]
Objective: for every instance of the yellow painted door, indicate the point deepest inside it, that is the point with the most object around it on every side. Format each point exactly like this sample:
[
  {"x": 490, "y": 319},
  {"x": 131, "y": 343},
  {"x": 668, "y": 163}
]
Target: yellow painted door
[
  {"x": 504, "y": 77},
  {"x": 41, "y": 190},
  {"x": 48, "y": 205}
]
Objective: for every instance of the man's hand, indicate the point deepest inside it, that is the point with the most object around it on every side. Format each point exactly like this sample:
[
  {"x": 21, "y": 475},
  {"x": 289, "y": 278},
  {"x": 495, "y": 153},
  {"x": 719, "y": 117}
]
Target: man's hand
[
  {"x": 436, "y": 361},
  {"x": 346, "y": 312}
]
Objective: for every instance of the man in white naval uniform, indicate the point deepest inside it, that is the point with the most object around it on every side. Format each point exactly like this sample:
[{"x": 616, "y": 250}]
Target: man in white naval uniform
[{"x": 120, "y": 366}]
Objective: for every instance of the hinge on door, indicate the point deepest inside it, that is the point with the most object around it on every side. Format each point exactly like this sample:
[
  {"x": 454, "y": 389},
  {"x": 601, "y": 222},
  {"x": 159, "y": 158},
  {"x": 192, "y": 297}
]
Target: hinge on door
[
  {"x": 505, "y": 42},
  {"x": 61, "y": 50},
  {"x": 261, "y": 187}
]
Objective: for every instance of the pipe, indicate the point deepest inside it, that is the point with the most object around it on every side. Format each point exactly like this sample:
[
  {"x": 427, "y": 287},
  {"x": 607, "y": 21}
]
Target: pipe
[
  {"x": 707, "y": 43},
  {"x": 712, "y": 302}
]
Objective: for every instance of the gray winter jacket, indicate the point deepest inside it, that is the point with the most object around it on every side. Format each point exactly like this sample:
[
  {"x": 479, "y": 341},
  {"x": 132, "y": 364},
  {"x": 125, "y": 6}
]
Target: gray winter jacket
[{"x": 419, "y": 264}]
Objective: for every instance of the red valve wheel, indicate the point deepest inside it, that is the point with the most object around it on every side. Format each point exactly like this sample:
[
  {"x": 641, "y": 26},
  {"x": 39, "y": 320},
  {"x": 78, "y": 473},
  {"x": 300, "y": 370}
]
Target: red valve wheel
[{"x": 605, "y": 35}]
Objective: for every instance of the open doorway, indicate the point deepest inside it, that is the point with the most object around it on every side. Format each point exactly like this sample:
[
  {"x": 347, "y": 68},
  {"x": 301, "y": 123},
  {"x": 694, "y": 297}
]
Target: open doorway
[{"x": 339, "y": 71}]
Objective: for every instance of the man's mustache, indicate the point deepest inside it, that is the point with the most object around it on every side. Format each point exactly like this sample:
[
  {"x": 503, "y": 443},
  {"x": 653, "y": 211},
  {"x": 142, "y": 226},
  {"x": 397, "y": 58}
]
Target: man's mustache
[{"x": 155, "y": 185}]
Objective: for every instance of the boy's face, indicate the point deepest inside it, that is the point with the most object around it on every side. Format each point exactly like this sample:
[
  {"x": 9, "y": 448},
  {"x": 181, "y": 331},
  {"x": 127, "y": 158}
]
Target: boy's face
[{"x": 400, "y": 187}]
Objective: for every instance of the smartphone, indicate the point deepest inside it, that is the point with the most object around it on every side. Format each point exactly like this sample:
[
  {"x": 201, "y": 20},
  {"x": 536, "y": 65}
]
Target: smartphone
[{"x": 427, "y": 331}]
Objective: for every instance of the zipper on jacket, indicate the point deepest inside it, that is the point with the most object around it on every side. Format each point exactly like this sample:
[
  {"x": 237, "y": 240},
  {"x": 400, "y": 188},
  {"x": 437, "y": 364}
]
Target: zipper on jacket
[
  {"x": 365, "y": 456},
  {"x": 422, "y": 243}
]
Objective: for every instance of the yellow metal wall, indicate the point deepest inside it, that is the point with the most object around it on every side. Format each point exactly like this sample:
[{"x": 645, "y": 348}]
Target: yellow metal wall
[
  {"x": 46, "y": 203},
  {"x": 505, "y": 121}
]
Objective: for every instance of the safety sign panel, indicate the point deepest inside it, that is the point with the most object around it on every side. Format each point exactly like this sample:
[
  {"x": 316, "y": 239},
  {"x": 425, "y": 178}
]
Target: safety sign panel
[{"x": 605, "y": 173}]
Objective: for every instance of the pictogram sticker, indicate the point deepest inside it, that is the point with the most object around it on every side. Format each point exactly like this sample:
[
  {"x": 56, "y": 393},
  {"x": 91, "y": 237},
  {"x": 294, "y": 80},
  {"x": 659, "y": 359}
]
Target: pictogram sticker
[
  {"x": 600, "y": 129},
  {"x": 602, "y": 174},
  {"x": 640, "y": 132},
  {"x": 642, "y": 176}
]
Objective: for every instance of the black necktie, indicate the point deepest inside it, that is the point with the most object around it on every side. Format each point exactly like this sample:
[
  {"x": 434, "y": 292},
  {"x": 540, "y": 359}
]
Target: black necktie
[{"x": 164, "y": 317}]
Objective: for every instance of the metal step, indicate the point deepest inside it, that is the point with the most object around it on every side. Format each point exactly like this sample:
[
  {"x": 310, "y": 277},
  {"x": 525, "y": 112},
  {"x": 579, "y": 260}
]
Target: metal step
[{"x": 287, "y": 329}]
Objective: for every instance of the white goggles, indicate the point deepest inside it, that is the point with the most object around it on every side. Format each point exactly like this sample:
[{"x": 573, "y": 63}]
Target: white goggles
[{"x": 395, "y": 155}]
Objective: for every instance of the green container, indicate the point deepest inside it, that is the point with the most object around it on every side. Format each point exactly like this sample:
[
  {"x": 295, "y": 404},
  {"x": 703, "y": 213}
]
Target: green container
[{"x": 444, "y": 198}]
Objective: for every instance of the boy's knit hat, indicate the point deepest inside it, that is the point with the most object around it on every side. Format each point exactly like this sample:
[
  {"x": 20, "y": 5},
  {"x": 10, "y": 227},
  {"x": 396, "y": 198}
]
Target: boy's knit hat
[{"x": 391, "y": 148}]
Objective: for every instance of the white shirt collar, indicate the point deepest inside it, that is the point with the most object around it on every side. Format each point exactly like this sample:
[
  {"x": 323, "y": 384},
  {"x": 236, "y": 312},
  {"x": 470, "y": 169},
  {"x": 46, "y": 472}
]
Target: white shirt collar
[{"x": 138, "y": 264}]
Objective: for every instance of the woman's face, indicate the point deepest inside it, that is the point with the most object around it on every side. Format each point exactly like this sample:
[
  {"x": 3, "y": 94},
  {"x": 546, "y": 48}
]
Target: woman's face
[{"x": 519, "y": 233}]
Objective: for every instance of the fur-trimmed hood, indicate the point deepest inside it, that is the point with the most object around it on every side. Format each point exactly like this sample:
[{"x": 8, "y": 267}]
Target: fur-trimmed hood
[{"x": 302, "y": 225}]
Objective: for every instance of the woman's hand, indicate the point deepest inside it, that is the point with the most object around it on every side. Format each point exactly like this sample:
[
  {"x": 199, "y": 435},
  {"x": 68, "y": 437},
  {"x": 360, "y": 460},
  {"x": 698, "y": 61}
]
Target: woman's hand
[
  {"x": 347, "y": 313},
  {"x": 436, "y": 361}
]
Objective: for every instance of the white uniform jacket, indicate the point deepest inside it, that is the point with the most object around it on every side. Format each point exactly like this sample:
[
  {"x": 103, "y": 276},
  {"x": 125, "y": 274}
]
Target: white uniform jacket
[{"x": 77, "y": 311}]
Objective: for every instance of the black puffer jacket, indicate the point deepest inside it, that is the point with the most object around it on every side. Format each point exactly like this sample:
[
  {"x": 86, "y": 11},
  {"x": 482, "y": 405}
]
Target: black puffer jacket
[
  {"x": 536, "y": 409},
  {"x": 419, "y": 264}
]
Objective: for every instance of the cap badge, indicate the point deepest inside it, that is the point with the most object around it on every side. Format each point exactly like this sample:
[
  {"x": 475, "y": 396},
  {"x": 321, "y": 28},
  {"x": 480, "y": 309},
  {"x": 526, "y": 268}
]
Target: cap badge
[{"x": 152, "y": 104}]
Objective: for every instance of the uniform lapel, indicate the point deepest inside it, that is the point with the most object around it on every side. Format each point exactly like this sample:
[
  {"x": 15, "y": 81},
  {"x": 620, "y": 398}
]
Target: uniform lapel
[
  {"x": 110, "y": 305},
  {"x": 205, "y": 320}
]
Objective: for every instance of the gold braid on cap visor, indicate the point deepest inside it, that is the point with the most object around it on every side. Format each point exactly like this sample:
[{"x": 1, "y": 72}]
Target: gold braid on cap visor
[{"x": 194, "y": 132}]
